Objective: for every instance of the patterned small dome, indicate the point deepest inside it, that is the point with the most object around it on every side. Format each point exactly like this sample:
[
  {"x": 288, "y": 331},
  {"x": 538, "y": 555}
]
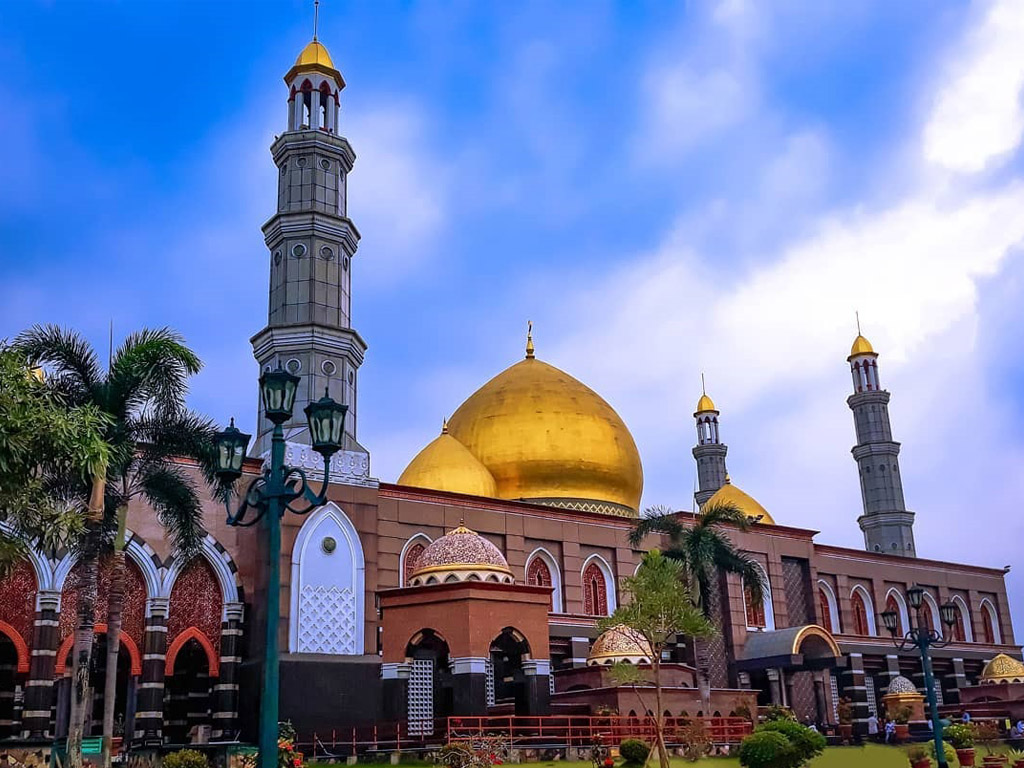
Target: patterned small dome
[
  {"x": 461, "y": 555},
  {"x": 1003, "y": 669},
  {"x": 900, "y": 684},
  {"x": 620, "y": 643}
]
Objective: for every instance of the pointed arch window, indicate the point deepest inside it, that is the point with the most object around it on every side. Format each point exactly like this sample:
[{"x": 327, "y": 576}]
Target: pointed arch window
[
  {"x": 754, "y": 610},
  {"x": 412, "y": 559},
  {"x": 989, "y": 624},
  {"x": 826, "y": 610},
  {"x": 860, "y": 615},
  {"x": 595, "y": 591}
]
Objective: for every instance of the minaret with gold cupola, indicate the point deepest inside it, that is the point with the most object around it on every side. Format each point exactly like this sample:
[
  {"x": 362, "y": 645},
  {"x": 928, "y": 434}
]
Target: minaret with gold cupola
[
  {"x": 887, "y": 524},
  {"x": 710, "y": 450},
  {"x": 312, "y": 242}
]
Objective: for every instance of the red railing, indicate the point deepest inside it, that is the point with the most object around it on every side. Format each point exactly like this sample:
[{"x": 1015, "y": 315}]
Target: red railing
[{"x": 549, "y": 732}]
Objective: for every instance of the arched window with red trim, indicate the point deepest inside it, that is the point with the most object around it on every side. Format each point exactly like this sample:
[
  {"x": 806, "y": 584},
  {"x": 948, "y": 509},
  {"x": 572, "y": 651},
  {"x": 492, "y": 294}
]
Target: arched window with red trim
[
  {"x": 412, "y": 559},
  {"x": 860, "y": 615},
  {"x": 959, "y": 632},
  {"x": 754, "y": 609},
  {"x": 595, "y": 591},
  {"x": 989, "y": 624},
  {"x": 826, "y": 610}
]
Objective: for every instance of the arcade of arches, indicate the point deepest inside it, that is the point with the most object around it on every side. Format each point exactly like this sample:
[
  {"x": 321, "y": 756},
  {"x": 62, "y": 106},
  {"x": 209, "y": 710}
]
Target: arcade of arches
[{"x": 173, "y": 643}]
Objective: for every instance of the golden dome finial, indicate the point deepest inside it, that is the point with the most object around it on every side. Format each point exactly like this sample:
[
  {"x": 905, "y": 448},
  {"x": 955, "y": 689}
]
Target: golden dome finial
[
  {"x": 727, "y": 480},
  {"x": 529, "y": 340},
  {"x": 316, "y": 17},
  {"x": 444, "y": 426}
]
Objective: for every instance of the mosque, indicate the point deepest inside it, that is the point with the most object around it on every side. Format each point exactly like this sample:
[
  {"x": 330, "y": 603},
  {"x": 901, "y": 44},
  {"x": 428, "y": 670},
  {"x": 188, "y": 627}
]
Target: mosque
[{"x": 473, "y": 584}]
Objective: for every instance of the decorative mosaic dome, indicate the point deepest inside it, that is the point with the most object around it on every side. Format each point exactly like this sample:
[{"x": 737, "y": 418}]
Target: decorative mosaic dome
[
  {"x": 1003, "y": 669},
  {"x": 618, "y": 644},
  {"x": 461, "y": 555},
  {"x": 900, "y": 685}
]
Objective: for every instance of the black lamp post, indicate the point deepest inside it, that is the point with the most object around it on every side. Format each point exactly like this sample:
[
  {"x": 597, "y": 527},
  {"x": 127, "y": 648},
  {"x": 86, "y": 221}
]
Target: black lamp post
[
  {"x": 268, "y": 496},
  {"x": 923, "y": 637}
]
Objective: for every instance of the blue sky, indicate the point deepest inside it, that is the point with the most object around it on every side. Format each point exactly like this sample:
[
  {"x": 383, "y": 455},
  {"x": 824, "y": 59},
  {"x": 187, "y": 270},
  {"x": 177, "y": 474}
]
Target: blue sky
[{"x": 663, "y": 189}]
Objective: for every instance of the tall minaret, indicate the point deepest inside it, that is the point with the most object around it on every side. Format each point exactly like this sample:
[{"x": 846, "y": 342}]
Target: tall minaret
[
  {"x": 709, "y": 451},
  {"x": 311, "y": 242},
  {"x": 888, "y": 526}
]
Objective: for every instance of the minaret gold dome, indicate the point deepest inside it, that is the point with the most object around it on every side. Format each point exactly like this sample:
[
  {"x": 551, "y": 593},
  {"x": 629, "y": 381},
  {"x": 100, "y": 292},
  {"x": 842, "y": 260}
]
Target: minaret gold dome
[
  {"x": 747, "y": 504},
  {"x": 705, "y": 404},
  {"x": 315, "y": 58},
  {"x": 543, "y": 436},
  {"x": 445, "y": 464},
  {"x": 861, "y": 346}
]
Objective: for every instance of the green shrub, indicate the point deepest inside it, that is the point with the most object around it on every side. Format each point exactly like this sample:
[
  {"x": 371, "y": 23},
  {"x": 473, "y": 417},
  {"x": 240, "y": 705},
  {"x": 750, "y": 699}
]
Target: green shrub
[
  {"x": 960, "y": 735},
  {"x": 766, "y": 749},
  {"x": 185, "y": 758},
  {"x": 634, "y": 751},
  {"x": 807, "y": 744},
  {"x": 917, "y": 752},
  {"x": 947, "y": 748},
  {"x": 775, "y": 712}
]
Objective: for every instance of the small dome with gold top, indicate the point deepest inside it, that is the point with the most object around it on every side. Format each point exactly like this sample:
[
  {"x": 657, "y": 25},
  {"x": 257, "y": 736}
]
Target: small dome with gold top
[
  {"x": 461, "y": 555},
  {"x": 547, "y": 438},
  {"x": 1003, "y": 669},
  {"x": 447, "y": 465},
  {"x": 619, "y": 644},
  {"x": 901, "y": 685},
  {"x": 315, "y": 58},
  {"x": 705, "y": 404},
  {"x": 861, "y": 346},
  {"x": 747, "y": 504}
]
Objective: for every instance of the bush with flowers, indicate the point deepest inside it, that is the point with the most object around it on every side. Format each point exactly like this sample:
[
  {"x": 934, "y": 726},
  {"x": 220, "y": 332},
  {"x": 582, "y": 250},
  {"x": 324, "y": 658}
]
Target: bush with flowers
[
  {"x": 287, "y": 756},
  {"x": 478, "y": 752}
]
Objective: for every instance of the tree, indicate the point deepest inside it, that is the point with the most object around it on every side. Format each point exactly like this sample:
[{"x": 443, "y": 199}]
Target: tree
[
  {"x": 658, "y": 608},
  {"x": 43, "y": 440},
  {"x": 704, "y": 550},
  {"x": 142, "y": 393}
]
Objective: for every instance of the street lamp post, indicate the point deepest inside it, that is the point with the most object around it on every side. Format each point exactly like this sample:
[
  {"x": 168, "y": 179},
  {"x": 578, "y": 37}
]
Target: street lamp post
[
  {"x": 267, "y": 498},
  {"x": 923, "y": 637}
]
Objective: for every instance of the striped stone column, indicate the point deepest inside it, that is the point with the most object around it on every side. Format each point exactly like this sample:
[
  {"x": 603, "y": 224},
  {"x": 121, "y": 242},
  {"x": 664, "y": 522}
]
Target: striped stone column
[
  {"x": 224, "y": 699},
  {"x": 855, "y": 689},
  {"x": 149, "y": 714},
  {"x": 38, "y": 707}
]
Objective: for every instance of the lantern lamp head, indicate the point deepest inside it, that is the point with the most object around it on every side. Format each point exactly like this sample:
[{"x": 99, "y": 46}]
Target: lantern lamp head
[
  {"x": 889, "y": 619},
  {"x": 277, "y": 389},
  {"x": 231, "y": 446},
  {"x": 326, "y": 425},
  {"x": 915, "y": 596},
  {"x": 949, "y": 612}
]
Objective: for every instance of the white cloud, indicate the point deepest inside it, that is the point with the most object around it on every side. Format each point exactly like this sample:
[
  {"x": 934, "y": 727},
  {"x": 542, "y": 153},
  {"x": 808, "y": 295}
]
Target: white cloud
[
  {"x": 399, "y": 202},
  {"x": 773, "y": 335},
  {"x": 978, "y": 117}
]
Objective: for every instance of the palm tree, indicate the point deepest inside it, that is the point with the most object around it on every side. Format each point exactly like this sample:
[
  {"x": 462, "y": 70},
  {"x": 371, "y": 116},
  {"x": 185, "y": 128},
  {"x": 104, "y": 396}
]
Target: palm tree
[
  {"x": 142, "y": 392},
  {"x": 704, "y": 550}
]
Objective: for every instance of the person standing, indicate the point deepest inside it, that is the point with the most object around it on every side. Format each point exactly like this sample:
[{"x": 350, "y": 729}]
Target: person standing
[{"x": 873, "y": 727}]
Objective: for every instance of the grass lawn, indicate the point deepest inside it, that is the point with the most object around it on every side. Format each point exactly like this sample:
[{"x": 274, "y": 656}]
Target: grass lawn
[{"x": 868, "y": 756}]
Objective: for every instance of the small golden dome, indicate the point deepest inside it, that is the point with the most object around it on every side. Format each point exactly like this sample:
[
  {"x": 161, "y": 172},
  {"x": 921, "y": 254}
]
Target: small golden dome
[
  {"x": 1003, "y": 669},
  {"x": 314, "y": 53},
  {"x": 861, "y": 346},
  {"x": 747, "y": 504},
  {"x": 618, "y": 644},
  {"x": 461, "y": 555},
  {"x": 546, "y": 437},
  {"x": 445, "y": 464},
  {"x": 705, "y": 404},
  {"x": 315, "y": 58}
]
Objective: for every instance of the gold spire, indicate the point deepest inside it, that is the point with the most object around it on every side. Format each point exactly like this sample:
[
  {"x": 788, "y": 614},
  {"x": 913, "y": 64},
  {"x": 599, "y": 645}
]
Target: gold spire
[
  {"x": 444, "y": 426},
  {"x": 529, "y": 340}
]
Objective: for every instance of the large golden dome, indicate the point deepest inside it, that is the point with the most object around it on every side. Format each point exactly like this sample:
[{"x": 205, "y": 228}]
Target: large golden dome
[
  {"x": 747, "y": 504},
  {"x": 548, "y": 438},
  {"x": 447, "y": 465}
]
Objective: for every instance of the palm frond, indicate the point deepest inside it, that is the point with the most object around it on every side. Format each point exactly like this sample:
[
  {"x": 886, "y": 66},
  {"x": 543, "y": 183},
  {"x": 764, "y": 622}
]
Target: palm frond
[
  {"x": 73, "y": 359},
  {"x": 174, "y": 497},
  {"x": 723, "y": 513},
  {"x": 151, "y": 366},
  {"x": 656, "y": 520}
]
